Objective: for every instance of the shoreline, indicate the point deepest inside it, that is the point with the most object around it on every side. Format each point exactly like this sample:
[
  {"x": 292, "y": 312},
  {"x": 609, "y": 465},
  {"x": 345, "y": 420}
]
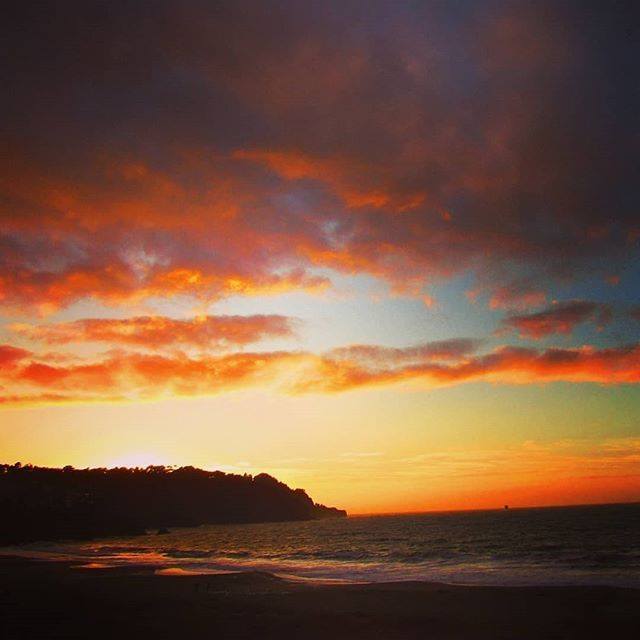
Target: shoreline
[
  {"x": 162, "y": 562},
  {"x": 43, "y": 599}
]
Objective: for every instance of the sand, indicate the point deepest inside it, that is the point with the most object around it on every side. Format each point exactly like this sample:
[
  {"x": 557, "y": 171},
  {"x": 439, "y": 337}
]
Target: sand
[{"x": 53, "y": 600}]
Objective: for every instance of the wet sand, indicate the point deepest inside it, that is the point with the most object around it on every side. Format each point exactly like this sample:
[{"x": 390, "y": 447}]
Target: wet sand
[{"x": 53, "y": 600}]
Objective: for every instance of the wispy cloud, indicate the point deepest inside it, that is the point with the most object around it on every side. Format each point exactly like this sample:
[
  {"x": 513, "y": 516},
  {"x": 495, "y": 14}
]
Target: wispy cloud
[
  {"x": 559, "y": 318},
  {"x": 153, "y": 332},
  {"x": 133, "y": 375}
]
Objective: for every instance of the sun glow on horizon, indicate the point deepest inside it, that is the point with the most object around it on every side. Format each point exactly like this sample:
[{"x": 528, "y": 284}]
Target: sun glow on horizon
[{"x": 138, "y": 459}]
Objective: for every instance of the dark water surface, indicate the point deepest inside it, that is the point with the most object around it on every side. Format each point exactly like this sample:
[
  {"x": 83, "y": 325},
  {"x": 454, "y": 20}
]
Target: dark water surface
[{"x": 561, "y": 545}]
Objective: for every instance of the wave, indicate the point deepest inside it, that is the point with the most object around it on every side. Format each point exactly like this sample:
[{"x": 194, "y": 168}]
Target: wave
[{"x": 536, "y": 548}]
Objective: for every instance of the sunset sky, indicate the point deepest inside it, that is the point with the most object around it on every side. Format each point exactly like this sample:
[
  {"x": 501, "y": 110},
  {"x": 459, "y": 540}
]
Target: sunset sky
[{"x": 385, "y": 251}]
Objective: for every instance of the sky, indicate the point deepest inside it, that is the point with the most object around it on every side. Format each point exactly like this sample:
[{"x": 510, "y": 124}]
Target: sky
[{"x": 385, "y": 251}]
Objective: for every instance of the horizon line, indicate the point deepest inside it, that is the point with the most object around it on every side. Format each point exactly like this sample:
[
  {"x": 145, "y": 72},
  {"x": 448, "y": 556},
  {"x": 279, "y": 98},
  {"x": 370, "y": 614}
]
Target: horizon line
[{"x": 365, "y": 514}]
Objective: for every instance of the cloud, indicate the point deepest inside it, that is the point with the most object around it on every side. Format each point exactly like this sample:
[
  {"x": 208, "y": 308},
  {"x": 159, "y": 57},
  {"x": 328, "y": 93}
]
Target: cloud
[
  {"x": 138, "y": 376},
  {"x": 134, "y": 376},
  {"x": 155, "y": 332},
  {"x": 10, "y": 356},
  {"x": 35, "y": 399},
  {"x": 352, "y": 182},
  {"x": 438, "y": 350},
  {"x": 211, "y": 151},
  {"x": 504, "y": 365},
  {"x": 561, "y": 317},
  {"x": 517, "y": 295}
]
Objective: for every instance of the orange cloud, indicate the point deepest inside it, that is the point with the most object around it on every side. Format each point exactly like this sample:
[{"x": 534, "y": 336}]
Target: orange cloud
[
  {"x": 10, "y": 356},
  {"x": 122, "y": 232},
  {"x": 356, "y": 183},
  {"x": 224, "y": 225},
  {"x": 295, "y": 143},
  {"x": 26, "y": 399},
  {"x": 118, "y": 283},
  {"x": 158, "y": 331},
  {"x": 504, "y": 365},
  {"x": 137, "y": 375}
]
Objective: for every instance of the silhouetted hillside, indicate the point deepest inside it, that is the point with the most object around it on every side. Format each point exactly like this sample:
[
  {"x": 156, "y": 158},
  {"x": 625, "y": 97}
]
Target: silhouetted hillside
[{"x": 45, "y": 504}]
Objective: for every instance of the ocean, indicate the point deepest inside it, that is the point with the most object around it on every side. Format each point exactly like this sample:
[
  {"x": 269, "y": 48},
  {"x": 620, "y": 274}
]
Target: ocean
[{"x": 598, "y": 545}]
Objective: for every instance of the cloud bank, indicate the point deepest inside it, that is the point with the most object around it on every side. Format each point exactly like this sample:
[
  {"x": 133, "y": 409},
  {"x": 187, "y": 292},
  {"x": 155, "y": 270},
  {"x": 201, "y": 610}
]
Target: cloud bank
[
  {"x": 27, "y": 378},
  {"x": 213, "y": 150},
  {"x": 191, "y": 152}
]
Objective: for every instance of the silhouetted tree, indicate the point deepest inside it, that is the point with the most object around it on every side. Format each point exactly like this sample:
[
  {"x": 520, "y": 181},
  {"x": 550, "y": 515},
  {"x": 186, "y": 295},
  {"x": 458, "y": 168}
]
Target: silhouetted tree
[{"x": 38, "y": 503}]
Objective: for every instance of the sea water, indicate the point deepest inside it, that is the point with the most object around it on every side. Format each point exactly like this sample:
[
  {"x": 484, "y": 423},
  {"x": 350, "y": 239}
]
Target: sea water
[{"x": 543, "y": 546}]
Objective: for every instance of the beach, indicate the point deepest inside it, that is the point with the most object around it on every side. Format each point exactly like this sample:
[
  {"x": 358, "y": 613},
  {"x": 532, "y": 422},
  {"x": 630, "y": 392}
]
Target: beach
[{"x": 60, "y": 600}]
